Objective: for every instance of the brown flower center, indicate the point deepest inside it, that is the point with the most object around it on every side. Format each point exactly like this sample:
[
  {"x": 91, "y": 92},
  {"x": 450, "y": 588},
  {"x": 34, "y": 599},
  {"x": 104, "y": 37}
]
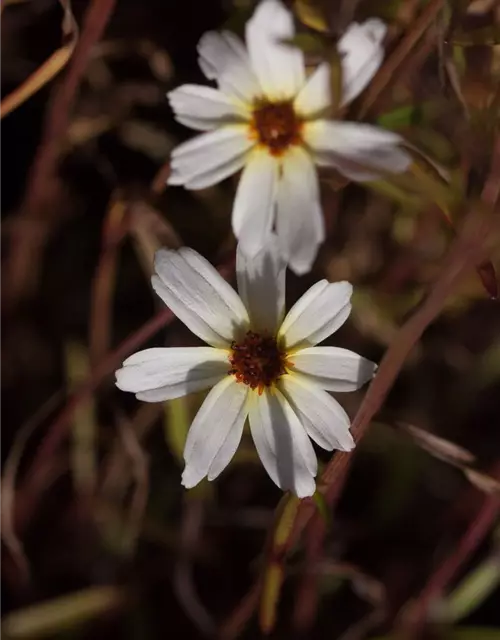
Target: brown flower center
[
  {"x": 257, "y": 361},
  {"x": 276, "y": 126}
]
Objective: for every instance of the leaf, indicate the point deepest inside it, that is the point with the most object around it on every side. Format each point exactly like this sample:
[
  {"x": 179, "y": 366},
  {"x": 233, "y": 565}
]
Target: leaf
[
  {"x": 274, "y": 573},
  {"x": 486, "y": 36},
  {"x": 47, "y": 618},
  {"x": 177, "y": 423},
  {"x": 394, "y": 192},
  {"x": 439, "y": 447},
  {"x": 483, "y": 482},
  {"x": 310, "y": 14},
  {"x": 335, "y": 78},
  {"x": 84, "y": 432},
  {"x": 308, "y": 43},
  {"x": 400, "y": 117},
  {"x": 471, "y": 592},
  {"x": 49, "y": 68},
  {"x": 271, "y": 590},
  {"x": 285, "y": 522},
  {"x": 322, "y": 506}
]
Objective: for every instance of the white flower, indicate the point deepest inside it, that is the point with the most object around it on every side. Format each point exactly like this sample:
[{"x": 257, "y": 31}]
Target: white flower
[
  {"x": 261, "y": 366},
  {"x": 268, "y": 119}
]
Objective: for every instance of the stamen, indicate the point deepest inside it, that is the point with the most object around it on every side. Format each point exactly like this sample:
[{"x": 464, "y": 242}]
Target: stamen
[
  {"x": 257, "y": 361},
  {"x": 277, "y": 126}
]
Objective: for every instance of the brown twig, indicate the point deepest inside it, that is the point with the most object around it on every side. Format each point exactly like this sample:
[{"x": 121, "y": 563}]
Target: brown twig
[
  {"x": 238, "y": 619},
  {"x": 307, "y": 596},
  {"x": 139, "y": 472},
  {"x": 9, "y": 477},
  {"x": 35, "y": 211},
  {"x": 191, "y": 532},
  {"x": 388, "y": 71},
  {"x": 114, "y": 231},
  {"x": 412, "y": 624}
]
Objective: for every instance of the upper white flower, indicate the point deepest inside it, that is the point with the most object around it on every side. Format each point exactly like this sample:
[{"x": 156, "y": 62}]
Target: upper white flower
[
  {"x": 268, "y": 119},
  {"x": 260, "y": 365}
]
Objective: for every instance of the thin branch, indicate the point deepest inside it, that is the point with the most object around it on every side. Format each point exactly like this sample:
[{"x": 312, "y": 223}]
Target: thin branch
[
  {"x": 388, "y": 70},
  {"x": 9, "y": 478},
  {"x": 479, "y": 528},
  {"x": 191, "y": 531},
  {"x": 113, "y": 233},
  {"x": 27, "y": 244}
]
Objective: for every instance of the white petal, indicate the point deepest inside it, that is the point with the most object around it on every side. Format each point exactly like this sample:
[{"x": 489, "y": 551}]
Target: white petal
[
  {"x": 357, "y": 150},
  {"x": 210, "y": 440},
  {"x": 333, "y": 368},
  {"x": 279, "y": 67},
  {"x": 362, "y": 54},
  {"x": 282, "y": 443},
  {"x": 299, "y": 219},
  {"x": 208, "y": 154},
  {"x": 316, "y": 95},
  {"x": 316, "y": 315},
  {"x": 323, "y": 418},
  {"x": 261, "y": 286},
  {"x": 224, "y": 58},
  {"x": 214, "y": 175},
  {"x": 208, "y": 107},
  {"x": 253, "y": 208},
  {"x": 199, "y": 296},
  {"x": 228, "y": 448},
  {"x": 173, "y": 372}
]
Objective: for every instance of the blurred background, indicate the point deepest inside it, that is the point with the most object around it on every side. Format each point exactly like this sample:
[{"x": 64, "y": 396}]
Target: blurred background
[{"x": 99, "y": 538}]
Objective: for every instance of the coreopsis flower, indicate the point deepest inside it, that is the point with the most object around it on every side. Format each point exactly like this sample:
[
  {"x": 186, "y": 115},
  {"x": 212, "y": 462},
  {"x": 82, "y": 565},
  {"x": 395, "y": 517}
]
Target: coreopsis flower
[
  {"x": 260, "y": 365},
  {"x": 269, "y": 119}
]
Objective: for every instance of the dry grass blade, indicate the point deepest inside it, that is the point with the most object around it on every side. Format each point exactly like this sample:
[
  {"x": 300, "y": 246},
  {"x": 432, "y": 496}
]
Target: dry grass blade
[
  {"x": 388, "y": 71},
  {"x": 8, "y": 490},
  {"x": 311, "y": 14},
  {"x": 412, "y": 619},
  {"x": 185, "y": 589},
  {"x": 439, "y": 447},
  {"x": 47, "y": 618},
  {"x": 50, "y": 68},
  {"x": 140, "y": 472},
  {"x": 34, "y": 220},
  {"x": 150, "y": 231},
  {"x": 483, "y": 482},
  {"x": 84, "y": 424},
  {"x": 114, "y": 231}
]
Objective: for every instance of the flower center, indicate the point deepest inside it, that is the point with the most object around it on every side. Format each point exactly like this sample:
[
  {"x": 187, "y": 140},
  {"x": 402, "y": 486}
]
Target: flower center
[
  {"x": 257, "y": 361},
  {"x": 276, "y": 125}
]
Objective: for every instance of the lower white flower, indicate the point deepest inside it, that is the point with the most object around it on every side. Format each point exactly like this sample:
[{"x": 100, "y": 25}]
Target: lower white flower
[
  {"x": 260, "y": 366},
  {"x": 267, "y": 118}
]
